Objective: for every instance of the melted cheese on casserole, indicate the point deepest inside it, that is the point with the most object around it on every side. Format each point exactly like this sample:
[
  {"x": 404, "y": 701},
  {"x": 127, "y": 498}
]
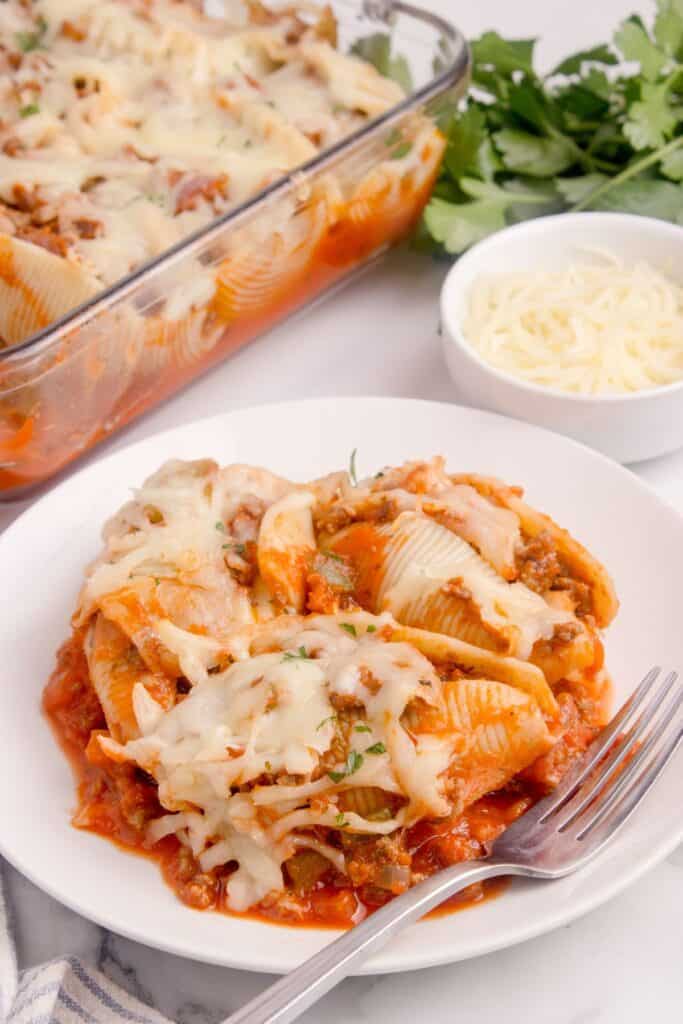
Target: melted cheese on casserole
[
  {"x": 132, "y": 123},
  {"x": 290, "y": 728},
  {"x": 272, "y": 713}
]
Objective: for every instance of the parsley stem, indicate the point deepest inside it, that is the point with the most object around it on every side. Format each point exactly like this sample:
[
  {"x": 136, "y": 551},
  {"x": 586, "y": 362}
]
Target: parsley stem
[{"x": 629, "y": 172}]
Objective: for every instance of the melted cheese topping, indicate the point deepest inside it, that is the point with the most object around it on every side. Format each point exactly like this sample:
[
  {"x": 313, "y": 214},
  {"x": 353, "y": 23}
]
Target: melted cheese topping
[
  {"x": 273, "y": 713},
  {"x": 185, "y": 517},
  {"x": 288, "y": 728},
  {"x": 133, "y": 123},
  {"x": 606, "y": 329}
]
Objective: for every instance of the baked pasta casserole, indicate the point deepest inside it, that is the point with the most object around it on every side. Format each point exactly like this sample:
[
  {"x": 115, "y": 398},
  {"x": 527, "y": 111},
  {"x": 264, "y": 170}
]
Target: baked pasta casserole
[
  {"x": 127, "y": 125},
  {"x": 252, "y": 157},
  {"x": 303, "y": 698}
]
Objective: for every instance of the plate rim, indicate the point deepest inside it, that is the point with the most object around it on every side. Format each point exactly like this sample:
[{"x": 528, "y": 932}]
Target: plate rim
[{"x": 421, "y": 957}]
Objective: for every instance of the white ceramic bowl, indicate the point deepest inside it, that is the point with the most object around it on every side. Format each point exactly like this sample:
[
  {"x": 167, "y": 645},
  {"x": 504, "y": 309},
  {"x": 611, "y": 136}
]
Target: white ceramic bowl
[{"x": 627, "y": 427}]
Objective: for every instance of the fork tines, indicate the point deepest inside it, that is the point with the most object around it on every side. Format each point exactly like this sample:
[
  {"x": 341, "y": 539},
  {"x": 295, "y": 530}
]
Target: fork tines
[{"x": 622, "y": 763}]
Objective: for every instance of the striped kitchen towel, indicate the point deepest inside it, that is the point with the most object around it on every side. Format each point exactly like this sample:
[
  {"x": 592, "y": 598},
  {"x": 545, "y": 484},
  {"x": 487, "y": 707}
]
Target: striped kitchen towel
[{"x": 63, "y": 991}]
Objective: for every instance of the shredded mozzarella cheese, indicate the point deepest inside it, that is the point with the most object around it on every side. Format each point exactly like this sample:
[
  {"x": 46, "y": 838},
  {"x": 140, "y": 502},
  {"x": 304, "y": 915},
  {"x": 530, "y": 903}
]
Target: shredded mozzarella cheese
[{"x": 590, "y": 329}]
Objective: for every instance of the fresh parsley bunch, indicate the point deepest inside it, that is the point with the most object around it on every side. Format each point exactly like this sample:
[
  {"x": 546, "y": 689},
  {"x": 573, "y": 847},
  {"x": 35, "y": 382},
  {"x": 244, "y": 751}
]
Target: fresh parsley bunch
[{"x": 602, "y": 131}]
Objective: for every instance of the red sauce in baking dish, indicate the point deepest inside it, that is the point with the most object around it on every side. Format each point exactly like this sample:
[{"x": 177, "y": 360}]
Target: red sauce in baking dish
[{"x": 117, "y": 800}]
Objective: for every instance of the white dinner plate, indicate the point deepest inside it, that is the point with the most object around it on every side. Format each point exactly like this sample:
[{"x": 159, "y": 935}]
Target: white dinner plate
[{"x": 42, "y": 558}]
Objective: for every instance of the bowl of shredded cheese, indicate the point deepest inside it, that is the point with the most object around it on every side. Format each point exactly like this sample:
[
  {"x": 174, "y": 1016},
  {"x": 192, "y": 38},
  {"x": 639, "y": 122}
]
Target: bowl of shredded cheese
[{"x": 574, "y": 322}]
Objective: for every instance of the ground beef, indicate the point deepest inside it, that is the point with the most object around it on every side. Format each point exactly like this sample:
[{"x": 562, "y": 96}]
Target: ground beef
[
  {"x": 538, "y": 564},
  {"x": 549, "y": 770},
  {"x": 368, "y": 861}
]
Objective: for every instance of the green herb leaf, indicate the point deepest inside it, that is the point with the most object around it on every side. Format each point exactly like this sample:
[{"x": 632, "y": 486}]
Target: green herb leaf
[
  {"x": 505, "y": 55},
  {"x": 219, "y": 526},
  {"x": 528, "y": 101},
  {"x": 672, "y": 165},
  {"x": 349, "y": 627},
  {"x": 573, "y": 65},
  {"x": 371, "y": 629},
  {"x": 586, "y": 101},
  {"x": 29, "y": 110},
  {"x": 362, "y": 728},
  {"x": 27, "y": 41},
  {"x": 462, "y": 153},
  {"x": 574, "y": 190},
  {"x": 376, "y": 748},
  {"x": 353, "y": 763},
  {"x": 523, "y": 145},
  {"x": 635, "y": 44},
  {"x": 340, "y": 821},
  {"x": 651, "y": 121},
  {"x": 538, "y": 157},
  {"x": 650, "y": 197},
  {"x": 668, "y": 30},
  {"x": 458, "y": 226},
  {"x": 300, "y": 655},
  {"x": 321, "y": 725}
]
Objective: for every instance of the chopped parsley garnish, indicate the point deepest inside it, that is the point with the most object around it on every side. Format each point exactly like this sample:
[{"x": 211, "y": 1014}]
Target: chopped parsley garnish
[
  {"x": 362, "y": 728},
  {"x": 376, "y": 748},
  {"x": 321, "y": 725},
  {"x": 340, "y": 820},
  {"x": 268, "y": 766},
  {"x": 157, "y": 581},
  {"x": 219, "y": 526},
  {"x": 349, "y": 627},
  {"x": 27, "y": 41},
  {"x": 353, "y": 763},
  {"x": 300, "y": 655},
  {"x": 371, "y": 629},
  {"x": 239, "y": 549},
  {"x": 331, "y": 554},
  {"x": 352, "y": 467},
  {"x": 29, "y": 110}
]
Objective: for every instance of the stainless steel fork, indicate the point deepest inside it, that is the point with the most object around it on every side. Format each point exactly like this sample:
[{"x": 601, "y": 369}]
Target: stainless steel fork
[{"x": 559, "y": 835}]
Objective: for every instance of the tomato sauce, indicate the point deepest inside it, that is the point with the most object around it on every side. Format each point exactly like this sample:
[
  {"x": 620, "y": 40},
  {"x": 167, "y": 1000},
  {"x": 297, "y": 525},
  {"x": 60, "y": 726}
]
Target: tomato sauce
[{"x": 117, "y": 801}]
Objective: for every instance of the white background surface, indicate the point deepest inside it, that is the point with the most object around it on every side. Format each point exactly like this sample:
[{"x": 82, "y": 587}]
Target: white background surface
[{"x": 621, "y": 963}]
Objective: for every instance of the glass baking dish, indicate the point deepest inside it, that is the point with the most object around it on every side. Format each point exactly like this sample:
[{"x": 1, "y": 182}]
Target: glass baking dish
[{"x": 124, "y": 351}]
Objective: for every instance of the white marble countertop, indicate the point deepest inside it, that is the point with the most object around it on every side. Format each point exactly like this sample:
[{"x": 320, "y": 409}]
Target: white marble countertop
[{"x": 621, "y": 963}]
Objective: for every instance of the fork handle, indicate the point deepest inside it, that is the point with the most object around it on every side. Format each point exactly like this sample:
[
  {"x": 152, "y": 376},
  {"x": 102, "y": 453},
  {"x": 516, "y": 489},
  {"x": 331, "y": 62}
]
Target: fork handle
[{"x": 290, "y": 996}]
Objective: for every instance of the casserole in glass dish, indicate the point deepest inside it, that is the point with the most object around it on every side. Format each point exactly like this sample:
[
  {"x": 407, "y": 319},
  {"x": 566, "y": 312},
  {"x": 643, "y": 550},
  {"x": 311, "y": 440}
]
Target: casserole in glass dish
[{"x": 67, "y": 381}]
